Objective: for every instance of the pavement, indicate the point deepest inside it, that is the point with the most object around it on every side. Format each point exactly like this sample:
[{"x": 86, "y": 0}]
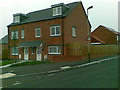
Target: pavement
[
  {"x": 51, "y": 67},
  {"x": 101, "y": 72}
]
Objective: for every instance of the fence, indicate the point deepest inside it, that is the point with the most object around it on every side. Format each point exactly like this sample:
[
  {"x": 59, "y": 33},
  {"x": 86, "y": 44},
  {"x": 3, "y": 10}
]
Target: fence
[
  {"x": 76, "y": 49},
  {"x": 4, "y": 54}
]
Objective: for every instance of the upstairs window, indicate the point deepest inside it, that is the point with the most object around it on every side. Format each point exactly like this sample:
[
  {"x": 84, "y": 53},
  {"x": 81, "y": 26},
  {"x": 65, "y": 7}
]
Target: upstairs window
[
  {"x": 74, "y": 31},
  {"x": 57, "y": 11},
  {"x": 14, "y": 34},
  {"x": 22, "y": 34},
  {"x": 55, "y": 30},
  {"x": 37, "y": 32},
  {"x": 16, "y": 19}
]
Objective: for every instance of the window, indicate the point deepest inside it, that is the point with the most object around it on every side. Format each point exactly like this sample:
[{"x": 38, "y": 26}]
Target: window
[
  {"x": 16, "y": 19},
  {"x": 14, "y": 51},
  {"x": 57, "y": 11},
  {"x": 74, "y": 34},
  {"x": 54, "y": 50},
  {"x": 37, "y": 32},
  {"x": 22, "y": 34},
  {"x": 55, "y": 31},
  {"x": 14, "y": 34}
]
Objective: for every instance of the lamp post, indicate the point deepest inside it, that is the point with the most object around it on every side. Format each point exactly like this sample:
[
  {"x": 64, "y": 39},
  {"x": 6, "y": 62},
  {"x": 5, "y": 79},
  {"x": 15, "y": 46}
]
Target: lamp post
[{"x": 89, "y": 31}]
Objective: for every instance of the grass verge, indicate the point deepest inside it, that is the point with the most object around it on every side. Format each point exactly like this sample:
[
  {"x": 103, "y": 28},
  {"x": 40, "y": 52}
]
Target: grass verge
[
  {"x": 2, "y": 63},
  {"x": 31, "y": 63}
]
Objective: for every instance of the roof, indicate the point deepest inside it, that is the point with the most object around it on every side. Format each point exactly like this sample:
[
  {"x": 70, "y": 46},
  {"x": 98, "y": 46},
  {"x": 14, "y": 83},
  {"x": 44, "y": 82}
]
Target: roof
[
  {"x": 4, "y": 40},
  {"x": 110, "y": 29},
  {"x": 45, "y": 14},
  {"x": 30, "y": 44}
]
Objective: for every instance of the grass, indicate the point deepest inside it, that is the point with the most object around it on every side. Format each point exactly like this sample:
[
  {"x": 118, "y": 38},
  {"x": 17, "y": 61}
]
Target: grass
[
  {"x": 31, "y": 63},
  {"x": 2, "y": 63}
]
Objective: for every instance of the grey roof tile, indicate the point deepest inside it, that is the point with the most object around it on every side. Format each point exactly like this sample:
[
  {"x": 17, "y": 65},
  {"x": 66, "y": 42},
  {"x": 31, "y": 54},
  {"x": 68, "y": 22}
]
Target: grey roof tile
[
  {"x": 45, "y": 14},
  {"x": 4, "y": 40},
  {"x": 30, "y": 44}
]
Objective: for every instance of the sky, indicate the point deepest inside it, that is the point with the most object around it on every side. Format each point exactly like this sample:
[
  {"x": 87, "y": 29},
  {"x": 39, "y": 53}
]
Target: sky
[{"x": 104, "y": 12}]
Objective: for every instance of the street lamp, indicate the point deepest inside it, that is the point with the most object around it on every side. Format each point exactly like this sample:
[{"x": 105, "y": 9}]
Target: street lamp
[{"x": 89, "y": 31}]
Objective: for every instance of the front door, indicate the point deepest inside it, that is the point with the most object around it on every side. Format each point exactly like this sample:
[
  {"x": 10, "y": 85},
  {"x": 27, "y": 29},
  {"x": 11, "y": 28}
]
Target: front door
[
  {"x": 38, "y": 54},
  {"x": 26, "y": 53}
]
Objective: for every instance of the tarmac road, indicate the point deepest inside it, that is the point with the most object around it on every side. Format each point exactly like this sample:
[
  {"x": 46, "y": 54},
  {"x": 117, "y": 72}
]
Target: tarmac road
[{"x": 101, "y": 75}]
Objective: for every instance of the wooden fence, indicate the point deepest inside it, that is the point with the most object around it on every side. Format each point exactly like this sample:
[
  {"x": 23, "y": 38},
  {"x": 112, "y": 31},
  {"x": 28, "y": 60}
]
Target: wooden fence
[{"x": 76, "y": 49}]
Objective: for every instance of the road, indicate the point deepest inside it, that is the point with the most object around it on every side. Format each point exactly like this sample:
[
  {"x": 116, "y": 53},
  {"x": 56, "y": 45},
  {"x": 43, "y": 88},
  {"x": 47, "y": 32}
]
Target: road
[{"x": 101, "y": 75}]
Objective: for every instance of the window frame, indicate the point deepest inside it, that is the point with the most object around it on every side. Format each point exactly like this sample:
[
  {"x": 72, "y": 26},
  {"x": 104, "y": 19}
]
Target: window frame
[
  {"x": 14, "y": 35},
  {"x": 55, "y": 30},
  {"x": 22, "y": 34},
  {"x": 58, "y": 51},
  {"x": 16, "y": 19},
  {"x": 37, "y": 28},
  {"x": 13, "y": 52},
  {"x": 56, "y": 11},
  {"x": 74, "y": 31}
]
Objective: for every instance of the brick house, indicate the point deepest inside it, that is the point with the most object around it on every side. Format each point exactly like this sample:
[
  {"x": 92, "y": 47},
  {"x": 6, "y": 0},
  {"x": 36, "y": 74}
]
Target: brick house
[
  {"x": 45, "y": 34},
  {"x": 4, "y": 47},
  {"x": 104, "y": 35}
]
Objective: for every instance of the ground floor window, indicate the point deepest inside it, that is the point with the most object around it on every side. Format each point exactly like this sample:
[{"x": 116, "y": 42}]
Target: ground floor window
[
  {"x": 54, "y": 50},
  {"x": 14, "y": 50}
]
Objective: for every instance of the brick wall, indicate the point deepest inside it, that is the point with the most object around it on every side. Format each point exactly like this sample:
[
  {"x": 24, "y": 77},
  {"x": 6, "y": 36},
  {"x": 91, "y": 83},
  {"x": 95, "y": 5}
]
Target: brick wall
[{"x": 105, "y": 35}]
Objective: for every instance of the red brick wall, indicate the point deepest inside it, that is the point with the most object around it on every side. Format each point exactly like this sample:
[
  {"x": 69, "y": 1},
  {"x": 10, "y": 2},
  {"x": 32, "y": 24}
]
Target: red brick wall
[
  {"x": 30, "y": 35},
  {"x": 76, "y": 18},
  {"x": 105, "y": 35}
]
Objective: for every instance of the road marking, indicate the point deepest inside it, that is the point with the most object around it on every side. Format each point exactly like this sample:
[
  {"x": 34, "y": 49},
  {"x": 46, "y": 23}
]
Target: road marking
[
  {"x": 50, "y": 74},
  {"x": 17, "y": 82},
  {"x": 53, "y": 71},
  {"x": 7, "y": 75},
  {"x": 65, "y": 67}
]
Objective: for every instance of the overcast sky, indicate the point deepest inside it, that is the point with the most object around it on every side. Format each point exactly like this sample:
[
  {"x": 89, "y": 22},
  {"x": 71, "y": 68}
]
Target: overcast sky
[{"x": 104, "y": 12}]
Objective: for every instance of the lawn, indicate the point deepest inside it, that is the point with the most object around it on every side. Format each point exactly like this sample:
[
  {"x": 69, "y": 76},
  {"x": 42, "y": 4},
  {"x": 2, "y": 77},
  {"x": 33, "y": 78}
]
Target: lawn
[
  {"x": 31, "y": 63},
  {"x": 2, "y": 63},
  {"x": 22, "y": 63}
]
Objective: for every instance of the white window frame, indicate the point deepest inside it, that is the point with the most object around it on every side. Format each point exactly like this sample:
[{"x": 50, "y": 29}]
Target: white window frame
[
  {"x": 16, "y": 19},
  {"x": 58, "y": 51},
  {"x": 74, "y": 31},
  {"x": 13, "y": 52},
  {"x": 14, "y": 34},
  {"x": 22, "y": 33},
  {"x": 56, "y": 11},
  {"x": 36, "y": 34},
  {"x": 55, "y": 30}
]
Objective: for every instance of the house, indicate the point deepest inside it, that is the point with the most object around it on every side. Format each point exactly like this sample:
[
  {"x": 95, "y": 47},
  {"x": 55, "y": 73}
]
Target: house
[
  {"x": 45, "y": 34},
  {"x": 4, "y": 47},
  {"x": 104, "y": 35}
]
